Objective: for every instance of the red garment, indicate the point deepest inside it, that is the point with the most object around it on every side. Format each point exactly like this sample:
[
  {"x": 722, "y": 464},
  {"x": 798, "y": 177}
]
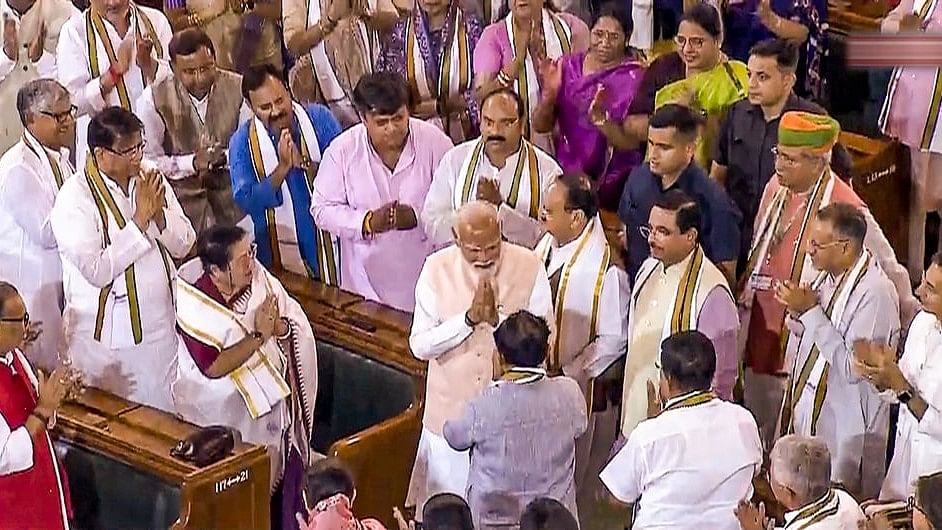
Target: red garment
[
  {"x": 36, "y": 498},
  {"x": 204, "y": 355}
]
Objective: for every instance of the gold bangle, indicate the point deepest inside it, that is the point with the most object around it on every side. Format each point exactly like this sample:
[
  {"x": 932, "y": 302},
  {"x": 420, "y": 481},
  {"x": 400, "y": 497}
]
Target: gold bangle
[{"x": 368, "y": 224}]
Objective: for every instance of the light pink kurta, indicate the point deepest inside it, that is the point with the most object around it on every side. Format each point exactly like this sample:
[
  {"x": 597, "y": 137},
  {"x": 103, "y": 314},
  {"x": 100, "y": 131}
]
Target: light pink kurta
[{"x": 351, "y": 181}]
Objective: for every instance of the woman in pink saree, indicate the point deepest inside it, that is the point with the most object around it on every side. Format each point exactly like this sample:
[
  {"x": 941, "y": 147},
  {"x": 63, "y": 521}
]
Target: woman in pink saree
[{"x": 585, "y": 99}]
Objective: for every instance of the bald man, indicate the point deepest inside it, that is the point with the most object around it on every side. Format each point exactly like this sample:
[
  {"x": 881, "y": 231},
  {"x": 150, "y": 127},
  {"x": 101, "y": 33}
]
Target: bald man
[{"x": 464, "y": 291}]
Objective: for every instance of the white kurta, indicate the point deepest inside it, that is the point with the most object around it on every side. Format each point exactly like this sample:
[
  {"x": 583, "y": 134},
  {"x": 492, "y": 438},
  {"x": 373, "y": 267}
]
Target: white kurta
[
  {"x": 690, "y": 466},
  {"x": 174, "y": 167},
  {"x": 438, "y": 214},
  {"x": 854, "y": 421},
  {"x": 918, "y": 449},
  {"x": 75, "y": 74},
  {"x": 29, "y": 258},
  {"x": 443, "y": 469},
  {"x": 140, "y": 372}
]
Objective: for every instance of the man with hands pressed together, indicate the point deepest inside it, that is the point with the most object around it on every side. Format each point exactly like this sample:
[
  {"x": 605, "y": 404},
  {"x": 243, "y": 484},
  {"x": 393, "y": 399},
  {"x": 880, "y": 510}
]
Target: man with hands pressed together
[
  {"x": 464, "y": 291},
  {"x": 274, "y": 160},
  {"x": 107, "y": 55},
  {"x": 117, "y": 226},
  {"x": 374, "y": 178},
  {"x": 912, "y": 381},
  {"x": 851, "y": 299},
  {"x": 501, "y": 167}
]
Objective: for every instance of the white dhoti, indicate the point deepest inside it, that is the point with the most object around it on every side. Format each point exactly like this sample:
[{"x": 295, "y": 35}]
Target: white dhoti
[{"x": 438, "y": 469}]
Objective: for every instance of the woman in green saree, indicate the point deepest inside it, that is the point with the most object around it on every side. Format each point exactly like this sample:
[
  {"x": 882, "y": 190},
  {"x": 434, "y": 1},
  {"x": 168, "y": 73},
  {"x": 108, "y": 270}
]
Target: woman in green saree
[{"x": 713, "y": 82}]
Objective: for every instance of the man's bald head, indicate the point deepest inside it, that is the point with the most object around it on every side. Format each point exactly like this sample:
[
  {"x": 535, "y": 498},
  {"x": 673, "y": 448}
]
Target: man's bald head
[{"x": 477, "y": 234}]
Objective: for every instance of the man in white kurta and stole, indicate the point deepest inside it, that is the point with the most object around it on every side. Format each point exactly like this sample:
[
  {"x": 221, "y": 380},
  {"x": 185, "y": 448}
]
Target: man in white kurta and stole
[
  {"x": 463, "y": 293},
  {"x": 802, "y": 184},
  {"x": 31, "y": 173},
  {"x": 117, "y": 227},
  {"x": 30, "y": 33},
  {"x": 915, "y": 382},
  {"x": 851, "y": 299},
  {"x": 911, "y": 114},
  {"x": 273, "y": 160},
  {"x": 676, "y": 289},
  {"x": 247, "y": 358},
  {"x": 106, "y": 55},
  {"x": 500, "y": 167},
  {"x": 590, "y": 306}
]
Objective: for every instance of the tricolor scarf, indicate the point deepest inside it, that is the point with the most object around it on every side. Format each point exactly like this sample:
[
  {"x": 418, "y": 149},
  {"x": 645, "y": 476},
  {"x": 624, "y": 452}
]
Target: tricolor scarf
[
  {"x": 815, "y": 368},
  {"x": 557, "y": 37},
  {"x": 578, "y": 293},
  {"x": 98, "y": 39},
  {"x": 324, "y": 68},
  {"x": 820, "y": 194},
  {"x": 49, "y": 164},
  {"x": 264, "y": 161},
  {"x": 522, "y": 198},
  {"x": 816, "y": 512},
  {"x": 440, "y": 78},
  {"x": 111, "y": 216}
]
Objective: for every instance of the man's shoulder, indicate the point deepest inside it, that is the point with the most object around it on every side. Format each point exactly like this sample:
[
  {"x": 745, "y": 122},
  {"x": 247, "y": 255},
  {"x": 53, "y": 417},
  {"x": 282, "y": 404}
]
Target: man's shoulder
[
  {"x": 154, "y": 15},
  {"x": 75, "y": 22},
  {"x": 520, "y": 253},
  {"x": 796, "y": 102},
  {"x": 545, "y": 160}
]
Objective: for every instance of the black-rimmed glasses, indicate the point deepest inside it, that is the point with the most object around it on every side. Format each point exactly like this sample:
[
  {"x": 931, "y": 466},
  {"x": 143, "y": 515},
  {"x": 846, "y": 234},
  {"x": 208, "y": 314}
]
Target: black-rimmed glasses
[
  {"x": 61, "y": 117},
  {"x": 15, "y": 320}
]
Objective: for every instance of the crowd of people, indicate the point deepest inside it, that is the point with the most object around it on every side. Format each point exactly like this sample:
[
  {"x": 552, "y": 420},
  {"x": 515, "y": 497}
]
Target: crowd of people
[{"x": 627, "y": 263}]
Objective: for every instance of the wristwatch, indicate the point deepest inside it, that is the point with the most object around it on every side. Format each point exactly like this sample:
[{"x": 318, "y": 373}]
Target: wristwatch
[
  {"x": 904, "y": 396},
  {"x": 257, "y": 335}
]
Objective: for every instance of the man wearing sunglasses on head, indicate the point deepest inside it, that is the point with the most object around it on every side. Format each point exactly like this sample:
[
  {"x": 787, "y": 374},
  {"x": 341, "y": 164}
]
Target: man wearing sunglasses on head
[
  {"x": 118, "y": 226},
  {"x": 31, "y": 173}
]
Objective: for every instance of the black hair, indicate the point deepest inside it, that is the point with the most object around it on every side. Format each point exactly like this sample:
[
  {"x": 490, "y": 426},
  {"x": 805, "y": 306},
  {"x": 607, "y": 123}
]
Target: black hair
[
  {"x": 7, "y": 291},
  {"x": 687, "y": 209},
  {"x": 547, "y": 514},
  {"x": 255, "y": 76},
  {"x": 579, "y": 194},
  {"x": 707, "y": 17},
  {"x": 620, "y": 13},
  {"x": 929, "y": 498},
  {"x": 112, "y": 123},
  {"x": 326, "y": 478},
  {"x": 522, "y": 339},
  {"x": 688, "y": 358},
  {"x": 189, "y": 41},
  {"x": 214, "y": 246},
  {"x": 509, "y": 92},
  {"x": 847, "y": 220},
  {"x": 381, "y": 93},
  {"x": 446, "y": 511},
  {"x": 683, "y": 119},
  {"x": 784, "y": 51}
]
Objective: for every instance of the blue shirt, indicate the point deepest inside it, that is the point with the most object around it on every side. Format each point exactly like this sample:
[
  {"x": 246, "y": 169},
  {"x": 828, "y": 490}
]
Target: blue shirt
[
  {"x": 255, "y": 197},
  {"x": 719, "y": 233}
]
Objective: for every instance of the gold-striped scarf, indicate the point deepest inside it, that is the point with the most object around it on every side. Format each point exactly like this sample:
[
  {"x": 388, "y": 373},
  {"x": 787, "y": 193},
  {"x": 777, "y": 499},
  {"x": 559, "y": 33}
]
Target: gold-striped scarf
[
  {"x": 526, "y": 163},
  {"x": 95, "y": 29},
  {"x": 690, "y": 400}
]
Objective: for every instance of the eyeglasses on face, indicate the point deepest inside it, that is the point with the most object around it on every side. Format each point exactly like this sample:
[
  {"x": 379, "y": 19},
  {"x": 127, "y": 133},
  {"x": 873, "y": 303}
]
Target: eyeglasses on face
[
  {"x": 131, "y": 152},
  {"x": 647, "y": 230},
  {"x": 792, "y": 161},
  {"x": 252, "y": 252},
  {"x": 61, "y": 117},
  {"x": 695, "y": 42},
  {"x": 16, "y": 320},
  {"x": 820, "y": 246}
]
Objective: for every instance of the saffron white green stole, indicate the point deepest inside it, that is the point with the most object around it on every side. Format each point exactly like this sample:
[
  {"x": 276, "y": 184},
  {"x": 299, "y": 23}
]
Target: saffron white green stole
[
  {"x": 557, "y": 37},
  {"x": 814, "y": 368},
  {"x": 112, "y": 218},
  {"x": 523, "y": 197},
  {"x": 454, "y": 72},
  {"x": 280, "y": 221},
  {"x": 102, "y": 53},
  {"x": 330, "y": 86},
  {"x": 257, "y": 381},
  {"x": 578, "y": 293}
]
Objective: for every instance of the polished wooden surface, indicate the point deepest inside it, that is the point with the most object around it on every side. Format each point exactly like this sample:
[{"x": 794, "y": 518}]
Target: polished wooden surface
[
  {"x": 142, "y": 438},
  {"x": 856, "y": 16}
]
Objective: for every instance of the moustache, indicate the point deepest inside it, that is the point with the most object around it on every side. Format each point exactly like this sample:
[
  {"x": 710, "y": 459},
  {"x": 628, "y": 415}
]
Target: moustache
[{"x": 496, "y": 139}]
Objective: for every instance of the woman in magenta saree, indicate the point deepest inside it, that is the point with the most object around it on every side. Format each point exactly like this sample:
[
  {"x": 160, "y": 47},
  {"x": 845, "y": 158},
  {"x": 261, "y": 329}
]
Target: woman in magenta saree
[{"x": 585, "y": 102}]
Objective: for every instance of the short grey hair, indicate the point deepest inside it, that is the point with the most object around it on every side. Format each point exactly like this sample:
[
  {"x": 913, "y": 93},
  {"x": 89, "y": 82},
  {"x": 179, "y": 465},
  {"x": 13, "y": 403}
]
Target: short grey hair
[
  {"x": 803, "y": 465},
  {"x": 36, "y": 96}
]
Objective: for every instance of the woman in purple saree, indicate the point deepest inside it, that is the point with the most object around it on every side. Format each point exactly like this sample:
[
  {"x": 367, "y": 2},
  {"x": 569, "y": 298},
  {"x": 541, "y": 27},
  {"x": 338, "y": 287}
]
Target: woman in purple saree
[{"x": 585, "y": 98}]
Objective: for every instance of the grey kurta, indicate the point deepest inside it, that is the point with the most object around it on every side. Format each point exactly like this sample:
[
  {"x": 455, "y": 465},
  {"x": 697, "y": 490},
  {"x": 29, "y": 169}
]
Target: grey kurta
[{"x": 854, "y": 422}]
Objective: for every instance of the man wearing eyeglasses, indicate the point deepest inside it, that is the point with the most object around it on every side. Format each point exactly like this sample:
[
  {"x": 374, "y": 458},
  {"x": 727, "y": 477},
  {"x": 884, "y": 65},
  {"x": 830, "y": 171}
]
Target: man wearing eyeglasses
[
  {"x": 849, "y": 300},
  {"x": 677, "y": 289},
  {"x": 118, "y": 226},
  {"x": 803, "y": 184},
  {"x": 188, "y": 118},
  {"x": 31, "y": 174}
]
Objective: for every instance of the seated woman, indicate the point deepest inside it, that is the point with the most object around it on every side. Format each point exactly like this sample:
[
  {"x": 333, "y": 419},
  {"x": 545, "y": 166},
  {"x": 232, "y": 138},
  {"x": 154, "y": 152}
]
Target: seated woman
[
  {"x": 431, "y": 48},
  {"x": 511, "y": 49},
  {"x": 247, "y": 359},
  {"x": 712, "y": 82},
  {"x": 585, "y": 97}
]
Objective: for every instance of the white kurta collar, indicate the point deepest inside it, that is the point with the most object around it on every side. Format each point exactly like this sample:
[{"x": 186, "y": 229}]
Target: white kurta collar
[
  {"x": 61, "y": 156},
  {"x": 679, "y": 266},
  {"x": 561, "y": 253},
  {"x": 679, "y": 398},
  {"x": 810, "y": 509},
  {"x": 511, "y": 161}
]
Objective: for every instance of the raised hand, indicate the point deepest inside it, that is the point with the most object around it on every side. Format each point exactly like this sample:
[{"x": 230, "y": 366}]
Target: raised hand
[
  {"x": 654, "y": 401},
  {"x": 287, "y": 152},
  {"x": 551, "y": 77},
  {"x": 10, "y": 46},
  {"x": 751, "y": 517},
  {"x": 148, "y": 200},
  {"x": 598, "y": 111},
  {"x": 384, "y": 218},
  {"x": 537, "y": 44},
  {"x": 123, "y": 56},
  {"x": 54, "y": 389},
  {"x": 36, "y": 47},
  {"x": 489, "y": 190},
  {"x": 144, "y": 48},
  {"x": 483, "y": 305},
  {"x": 405, "y": 217},
  {"x": 266, "y": 316}
]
